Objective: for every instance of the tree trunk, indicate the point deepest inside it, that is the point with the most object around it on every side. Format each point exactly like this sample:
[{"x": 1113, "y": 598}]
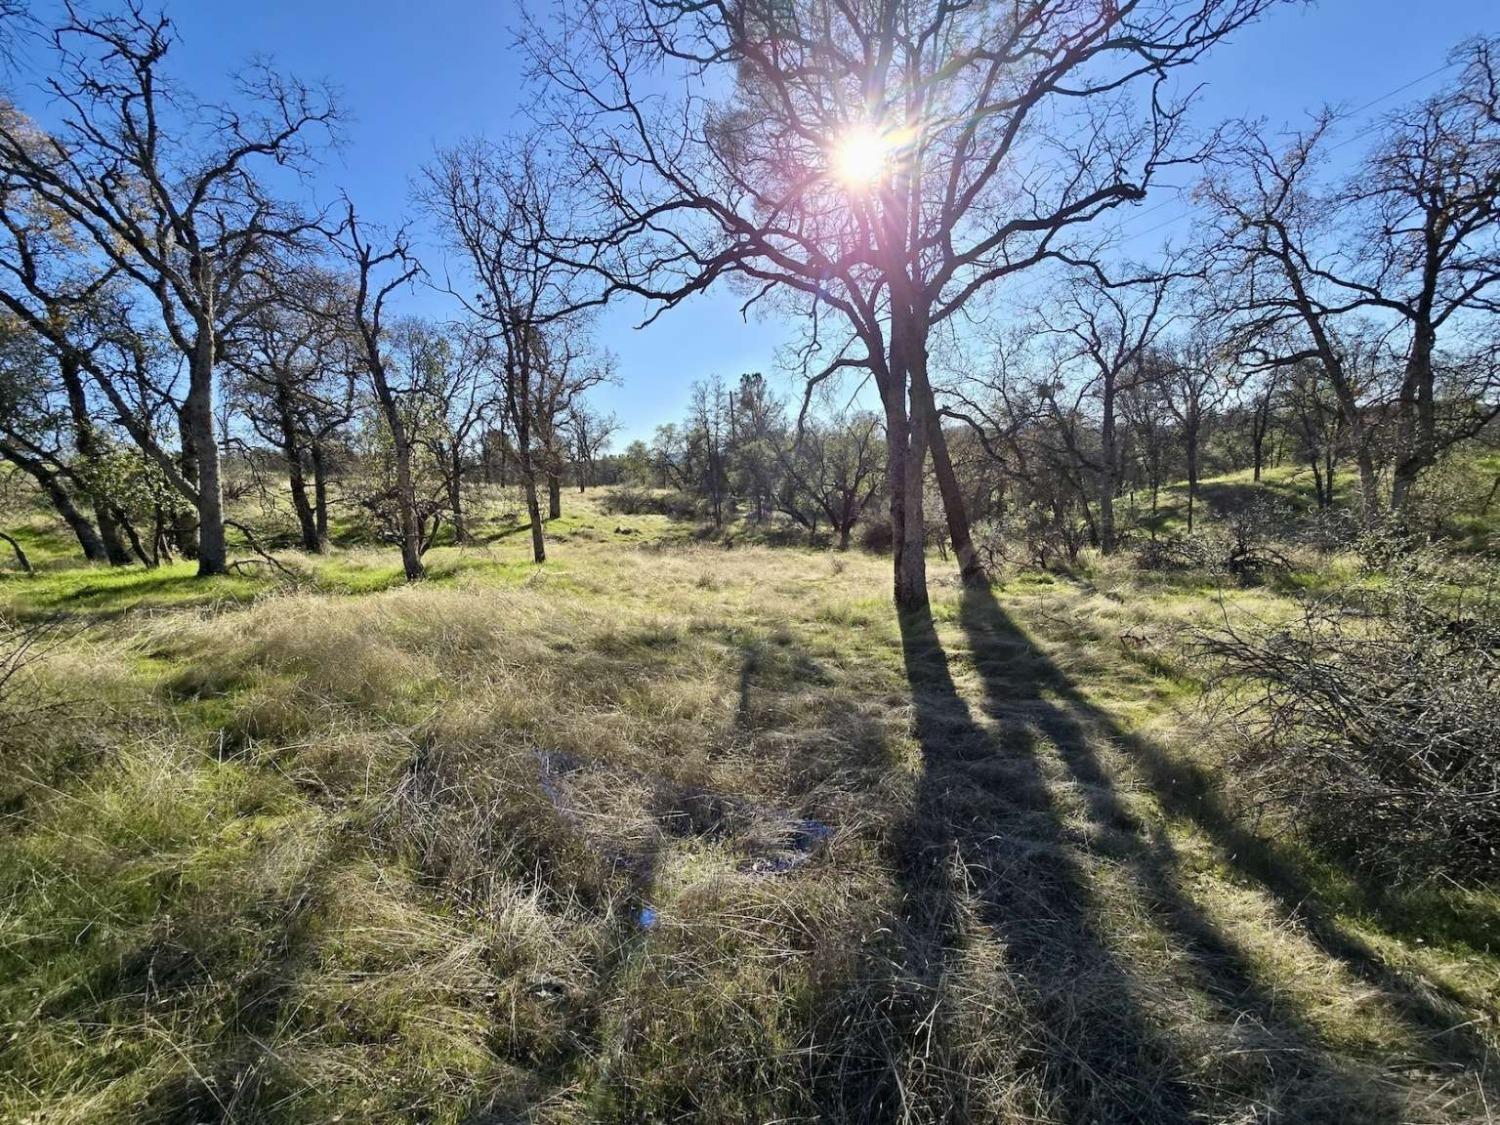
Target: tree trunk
[
  {"x": 1416, "y": 438},
  {"x": 911, "y": 544},
  {"x": 1259, "y": 424},
  {"x": 87, "y": 445},
  {"x": 970, "y": 569},
  {"x": 183, "y": 523},
  {"x": 554, "y": 496},
  {"x": 456, "y": 497},
  {"x": 1192, "y": 471},
  {"x": 51, "y": 484},
  {"x": 198, "y": 426},
  {"x": 406, "y": 503},
  {"x": 88, "y": 538},
  {"x": 534, "y": 510},
  {"x": 110, "y": 523},
  {"x": 306, "y": 520},
  {"x": 21, "y": 560},
  {"x": 291, "y": 449},
  {"x": 320, "y": 495},
  {"x": 1107, "y": 457},
  {"x": 148, "y": 560},
  {"x": 908, "y": 563},
  {"x": 213, "y": 555}
]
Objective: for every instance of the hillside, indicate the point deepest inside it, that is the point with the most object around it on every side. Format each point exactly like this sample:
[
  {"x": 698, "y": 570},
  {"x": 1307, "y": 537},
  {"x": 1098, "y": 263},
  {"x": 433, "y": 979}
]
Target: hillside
[{"x": 669, "y": 831}]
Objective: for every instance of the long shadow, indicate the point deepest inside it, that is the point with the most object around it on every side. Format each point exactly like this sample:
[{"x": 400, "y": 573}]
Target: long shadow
[
  {"x": 986, "y": 803},
  {"x": 1188, "y": 791},
  {"x": 1097, "y": 1040}
]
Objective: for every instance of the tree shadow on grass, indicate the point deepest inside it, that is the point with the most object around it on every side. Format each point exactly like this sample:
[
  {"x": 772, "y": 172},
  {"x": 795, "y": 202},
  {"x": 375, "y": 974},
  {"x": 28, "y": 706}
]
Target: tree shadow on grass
[
  {"x": 1191, "y": 793},
  {"x": 1062, "y": 872}
]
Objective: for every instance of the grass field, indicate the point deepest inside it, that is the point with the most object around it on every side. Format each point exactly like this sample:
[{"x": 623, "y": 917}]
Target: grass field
[{"x": 664, "y": 831}]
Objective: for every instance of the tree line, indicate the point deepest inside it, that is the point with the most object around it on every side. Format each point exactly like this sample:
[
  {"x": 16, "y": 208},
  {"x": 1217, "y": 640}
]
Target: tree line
[
  {"x": 165, "y": 306},
  {"x": 165, "y": 312}
]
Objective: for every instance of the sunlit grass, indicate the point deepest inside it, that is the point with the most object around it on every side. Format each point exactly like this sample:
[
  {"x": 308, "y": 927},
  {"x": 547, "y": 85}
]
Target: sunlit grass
[{"x": 635, "y": 835}]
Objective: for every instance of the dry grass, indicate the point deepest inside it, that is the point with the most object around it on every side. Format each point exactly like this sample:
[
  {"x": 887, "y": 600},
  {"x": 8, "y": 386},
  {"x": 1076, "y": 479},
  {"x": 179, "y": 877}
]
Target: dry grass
[{"x": 674, "y": 832}]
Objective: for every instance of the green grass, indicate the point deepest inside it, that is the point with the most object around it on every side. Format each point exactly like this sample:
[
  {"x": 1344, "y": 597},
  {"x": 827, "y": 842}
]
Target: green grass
[
  {"x": 1460, "y": 488},
  {"x": 279, "y": 851}
]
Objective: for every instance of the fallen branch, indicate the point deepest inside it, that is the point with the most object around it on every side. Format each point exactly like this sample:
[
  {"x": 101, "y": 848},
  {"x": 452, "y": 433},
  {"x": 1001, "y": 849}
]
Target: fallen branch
[
  {"x": 265, "y": 555},
  {"x": 21, "y": 558}
]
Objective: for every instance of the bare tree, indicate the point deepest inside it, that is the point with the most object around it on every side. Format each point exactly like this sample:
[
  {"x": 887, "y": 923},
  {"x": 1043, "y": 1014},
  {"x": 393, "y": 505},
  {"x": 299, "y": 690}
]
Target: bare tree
[
  {"x": 499, "y": 207},
  {"x": 1109, "y": 335},
  {"x": 381, "y": 268},
  {"x": 1259, "y": 394},
  {"x": 164, "y": 189},
  {"x": 33, "y": 430},
  {"x": 835, "y": 466},
  {"x": 461, "y": 392},
  {"x": 706, "y": 436},
  {"x": 1194, "y": 387},
  {"x": 295, "y": 362},
  {"x": 879, "y": 165},
  {"x": 1318, "y": 425},
  {"x": 591, "y": 431},
  {"x": 69, "y": 303},
  {"x": 1410, "y": 244}
]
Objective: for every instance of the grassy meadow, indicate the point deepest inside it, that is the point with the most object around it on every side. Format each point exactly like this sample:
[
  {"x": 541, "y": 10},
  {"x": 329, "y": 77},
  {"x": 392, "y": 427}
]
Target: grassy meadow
[{"x": 674, "y": 830}]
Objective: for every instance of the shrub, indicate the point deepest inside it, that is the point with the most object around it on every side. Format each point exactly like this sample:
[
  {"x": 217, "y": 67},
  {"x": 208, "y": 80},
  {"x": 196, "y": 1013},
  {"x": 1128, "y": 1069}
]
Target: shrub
[
  {"x": 630, "y": 501},
  {"x": 1372, "y": 723},
  {"x": 876, "y": 536},
  {"x": 1240, "y": 545}
]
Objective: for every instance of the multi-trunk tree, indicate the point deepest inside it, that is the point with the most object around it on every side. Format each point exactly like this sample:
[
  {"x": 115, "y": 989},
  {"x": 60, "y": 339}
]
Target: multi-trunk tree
[
  {"x": 1108, "y": 336},
  {"x": 382, "y": 267},
  {"x": 294, "y": 363}
]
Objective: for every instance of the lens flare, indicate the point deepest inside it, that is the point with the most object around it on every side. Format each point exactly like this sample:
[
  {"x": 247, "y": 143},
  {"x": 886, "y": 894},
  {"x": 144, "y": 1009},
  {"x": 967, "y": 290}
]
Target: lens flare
[{"x": 861, "y": 157}]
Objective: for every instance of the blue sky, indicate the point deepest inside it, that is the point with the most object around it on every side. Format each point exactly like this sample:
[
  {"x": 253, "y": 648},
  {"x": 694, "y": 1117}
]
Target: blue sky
[{"x": 416, "y": 76}]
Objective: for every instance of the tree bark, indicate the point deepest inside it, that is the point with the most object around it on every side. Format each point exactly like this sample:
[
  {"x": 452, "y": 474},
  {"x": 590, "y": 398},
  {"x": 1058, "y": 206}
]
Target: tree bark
[
  {"x": 306, "y": 519},
  {"x": 320, "y": 495},
  {"x": 1107, "y": 463},
  {"x": 183, "y": 523},
  {"x": 534, "y": 511},
  {"x": 21, "y": 560},
  {"x": 1192, "y": 475},
  {"x": 955, "y": 509},
  {"x": 411, "y": 540},
  {"x": 198, "y": 422},
  {"x": 554, "y": 497},
  {"x": 83, "y": 530},
  {"x": 456, "y": 497},
  {"x": 86, "y": 443}
]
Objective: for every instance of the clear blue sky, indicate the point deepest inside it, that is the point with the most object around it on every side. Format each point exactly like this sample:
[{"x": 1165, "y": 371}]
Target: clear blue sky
[{"x": 416, "y": 76}]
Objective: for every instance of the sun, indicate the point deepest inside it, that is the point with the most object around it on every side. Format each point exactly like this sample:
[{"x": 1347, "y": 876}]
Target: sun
[{"x": 861, "y": 157}]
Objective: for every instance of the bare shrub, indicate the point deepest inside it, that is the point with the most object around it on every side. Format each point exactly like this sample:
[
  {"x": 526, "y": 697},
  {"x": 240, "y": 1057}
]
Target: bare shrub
[
  {"x": 876, "y": 537},
  {"x": 628, "y": 501},
  {"x": 1371, "y": 721},
  {"x": 1046, "y": 537},
  {"x": 1241, "y": 545}
]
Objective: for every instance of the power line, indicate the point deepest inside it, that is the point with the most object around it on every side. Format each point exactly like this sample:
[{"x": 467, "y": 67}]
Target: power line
[{"x": 1365, "y": 132}]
